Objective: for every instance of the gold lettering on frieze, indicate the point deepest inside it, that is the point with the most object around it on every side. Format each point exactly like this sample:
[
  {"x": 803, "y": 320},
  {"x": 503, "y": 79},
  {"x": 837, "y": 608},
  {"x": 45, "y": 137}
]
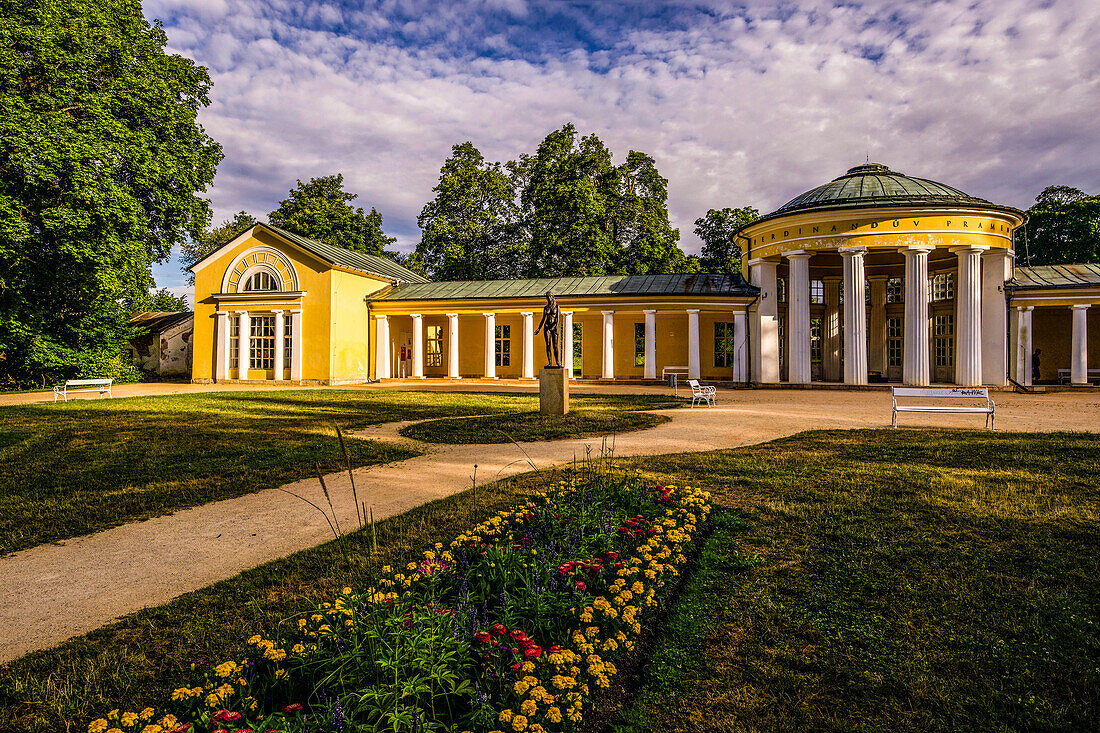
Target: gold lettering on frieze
[
  {"x": 966, "y": 224},
  {"x": 786, "y": 234},
  {"x": 916, "y": 222},
  {"x": 815, "y": 230},
  {"x": 874, "y": 225},
  {"x": 897, "y": 223}
]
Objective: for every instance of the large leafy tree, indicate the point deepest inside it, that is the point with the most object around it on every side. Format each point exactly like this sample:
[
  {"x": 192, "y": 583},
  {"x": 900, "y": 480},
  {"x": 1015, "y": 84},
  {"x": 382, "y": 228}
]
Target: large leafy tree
[
  {"x": 638, "y": 215},
  {"x": 1063, "y": 227},
  {"x": 321, "y": 210},
  {"x": 470, "y": 229},
  {"x": 101, "y": 166},
  {"x": 210, "y": 240},
  {"x": 721, "y": 251}
]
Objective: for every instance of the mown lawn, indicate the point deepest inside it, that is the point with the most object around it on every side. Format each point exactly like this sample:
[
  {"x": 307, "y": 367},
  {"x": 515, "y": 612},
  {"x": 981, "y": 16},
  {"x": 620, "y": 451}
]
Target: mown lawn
[
  {"x": 875, "y": 580},
  {"x": 83, "y": 466},
  {"x": 529, "y": 426}
]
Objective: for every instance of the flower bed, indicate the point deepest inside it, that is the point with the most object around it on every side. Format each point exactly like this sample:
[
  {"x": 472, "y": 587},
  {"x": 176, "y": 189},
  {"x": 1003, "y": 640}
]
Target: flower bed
[{"x": 514, "y": 626}]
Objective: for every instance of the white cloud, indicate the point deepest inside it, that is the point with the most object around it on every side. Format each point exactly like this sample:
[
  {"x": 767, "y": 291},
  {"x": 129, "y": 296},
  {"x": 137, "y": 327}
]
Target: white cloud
[{"x": 996, "y": 98}]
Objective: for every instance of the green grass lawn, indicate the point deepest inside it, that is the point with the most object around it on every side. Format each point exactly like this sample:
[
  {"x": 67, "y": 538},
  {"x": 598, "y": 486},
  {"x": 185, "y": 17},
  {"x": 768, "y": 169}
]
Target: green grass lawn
[
  {"x": 528, "y": 426},
  {"x": 86, "y": 465},
  {"x": 870, "y": 580}
]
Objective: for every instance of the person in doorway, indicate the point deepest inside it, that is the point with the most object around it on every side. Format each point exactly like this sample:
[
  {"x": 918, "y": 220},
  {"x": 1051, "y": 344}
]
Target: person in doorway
[{"x": 1035, "y": 366}]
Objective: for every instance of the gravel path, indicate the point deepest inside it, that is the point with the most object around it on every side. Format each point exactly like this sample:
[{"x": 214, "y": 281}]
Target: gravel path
[{"x": 53, "y": 592}]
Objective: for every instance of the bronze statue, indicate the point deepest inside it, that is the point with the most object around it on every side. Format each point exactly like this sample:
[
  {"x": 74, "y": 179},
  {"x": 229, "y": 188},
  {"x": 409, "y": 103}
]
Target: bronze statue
[{"x": 551, "y": 320}]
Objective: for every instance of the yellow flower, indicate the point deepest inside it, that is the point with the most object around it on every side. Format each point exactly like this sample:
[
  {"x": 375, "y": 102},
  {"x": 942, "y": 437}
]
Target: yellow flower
[
  {"x": 298, "y": 649},
  {"x": 148, "y": 713},
  {"x": 347, "y": 590},
  {"x": 519, "y": 723},
  {"x": 114, "y": 730},
  {"x": 113, "y": 715},
  {"x": 528, "y": 667},
  {"x": 528, "y": 707},
  {"x": 521, "y": 687},
  {"x": 227, "y": 669},
  {"x": 181, "y": 693},
  {"x": 97, "y": 726},
  {"x": 168, "y": 721},
  {"x": 554, "y": 715},
  {"x": 281, "y": 674},
  {"x": 152, "y": 728},
  {"x": 256, "y": 638},
  {"x": 505, "y": 716},
  {"x": 129, "y": 718}
]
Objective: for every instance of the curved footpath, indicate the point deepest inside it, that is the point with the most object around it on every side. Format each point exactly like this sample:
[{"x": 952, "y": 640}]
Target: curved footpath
[{"x": 53, "y": 592}]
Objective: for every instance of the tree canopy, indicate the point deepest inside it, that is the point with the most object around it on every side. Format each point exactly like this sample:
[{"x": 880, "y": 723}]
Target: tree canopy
[
  {"x": 321, "y": 210},
  {"x": 101, "y": 166},
  {"x": 209, "y": 240},
  {"x": 721, "y": 251},
  {"x": 1063, "y": 227}
]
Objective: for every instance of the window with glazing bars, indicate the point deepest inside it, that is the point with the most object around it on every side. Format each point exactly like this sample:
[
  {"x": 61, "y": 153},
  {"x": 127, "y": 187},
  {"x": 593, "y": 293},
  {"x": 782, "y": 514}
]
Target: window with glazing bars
[
  {"x": 894, "y": 292},
  {"x": 433, "y": 349},
  {"x": 504, "y": 346},
  {"x": 943, "y": 286},
  {"x": 234, "y": 340},
  {"x": 817, "y": 292},
  {"x": 815, "y": 340},
  {"x": 578, "y": 357},
  {"x": 781, "y": 289},
  {"x": 288, "y": 341},
  {"x": 943, "y": 332},
  {"x": 261, "y": 281},
  {"x": 261, "y": 345},
  {"x": 894, "y": 338},
  {"x": 723, "y": 344},
  {"x": 639, "y": 344},
  {"x": 782, "y": 343}
]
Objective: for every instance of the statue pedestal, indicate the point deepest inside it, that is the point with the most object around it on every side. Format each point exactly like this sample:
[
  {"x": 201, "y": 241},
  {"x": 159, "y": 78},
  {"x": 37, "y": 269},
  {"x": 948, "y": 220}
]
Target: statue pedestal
[{"x": 553, "y": 391}]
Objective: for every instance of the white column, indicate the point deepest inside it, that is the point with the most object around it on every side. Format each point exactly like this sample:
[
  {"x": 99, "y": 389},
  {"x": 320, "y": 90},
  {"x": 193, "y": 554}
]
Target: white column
[
  {"x": 221, "y": 363},
  {"x": 995, "y": 268},
  {"x": 915, "y": 358},
  {"x": 490, "y": 345},
  {"x": 452, "y": 346},
  {"x": 418, "y": 345},
  {"x": 279, "y": 328},
  {"x": 765, "y": 332},
  {"x": 968, "y": 315},
  {"x": 296, "y": 336},
  {"x": 382, "y": 348},
  {"x": 798, "y": 317},
  {"x": 528, "y": 345},
  {"x": 1079, "y": 346},
  {"x": 650, "y": 344},
  {"x": 242, "y": 345},
  {"x": 608, "y": 344},
  {"x": 1023, "y": 344},
  {"x": 855, "y": 316},
  {"x": 740, "y": 346},
  {"x": 567, "y": 343},
  {"x": 693, "y": 343}
]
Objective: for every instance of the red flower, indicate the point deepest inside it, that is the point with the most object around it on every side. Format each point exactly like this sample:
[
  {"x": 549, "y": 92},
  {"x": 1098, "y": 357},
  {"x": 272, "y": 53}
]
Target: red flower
[
  {"x": 613, "y": 555},
  {"x": 516, "y": 666},
  {"x": 483, "y": 637},
  {"x": 618, "y": 566},
  {"x": 518, "y": 635},
  {"x": 226, "y": 716},
  {"x": 500, "y": 629},
  {"x": 580, "y": 585},
  {"x": 533, "y": 652},
  {"x": 292, "y": 708},
  {"x": 555, "y": 649}
]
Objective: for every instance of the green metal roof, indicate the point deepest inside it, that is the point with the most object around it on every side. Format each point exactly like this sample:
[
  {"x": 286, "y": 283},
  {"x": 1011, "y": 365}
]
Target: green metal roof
[
  {"x": 608, "y": 285},
  {"x": 343, "y": 257},
  {"x": 874, "y": 185},
  {"x": 1057, "y": 276}
]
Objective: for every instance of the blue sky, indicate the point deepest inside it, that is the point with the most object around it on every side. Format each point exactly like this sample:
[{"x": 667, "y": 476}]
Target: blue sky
[{"x": 740, "y": 103}]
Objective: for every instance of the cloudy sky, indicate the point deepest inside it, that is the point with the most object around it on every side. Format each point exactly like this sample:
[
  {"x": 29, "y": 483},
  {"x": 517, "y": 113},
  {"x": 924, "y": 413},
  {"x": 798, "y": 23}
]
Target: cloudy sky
[{"x": 740, "y": 104}]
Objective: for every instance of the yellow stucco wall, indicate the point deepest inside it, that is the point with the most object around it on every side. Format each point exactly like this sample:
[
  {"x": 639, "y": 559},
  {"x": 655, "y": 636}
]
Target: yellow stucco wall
[{"x": 1052, "y": 331}]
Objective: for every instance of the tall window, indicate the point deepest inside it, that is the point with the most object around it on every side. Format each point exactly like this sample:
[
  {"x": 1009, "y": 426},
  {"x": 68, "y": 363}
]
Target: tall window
[
  {"x": 261, "y": 343},
  {"x": 723, "y": 344},
  {"x": 866, "y": 292},
  {"x": 943, "y": 332},
  {"x": 817, "y": 292},
  {"x": 504, "y": 345},
  {"x": 260, "y": 281},
  {"x": 781, "y": 289},
  {"x": 433, "y": 351},
  {"x": 782, "y": 343},
  {"x": 288, "y": 342},
  {"x": 639, "y": 344},
  {"x": 234, "y": 340},
  {"x": 815, "y": 340},
  {"x": 894, "y": 336},
  {"x": 943, "y": 286},
  {"x": 894, "y": 291},
  {"x": 578, "y": 356}
]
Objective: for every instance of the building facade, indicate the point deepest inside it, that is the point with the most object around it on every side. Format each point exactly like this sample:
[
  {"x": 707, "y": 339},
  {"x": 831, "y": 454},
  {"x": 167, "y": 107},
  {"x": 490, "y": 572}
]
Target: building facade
[{"x": 872, "y": 277}]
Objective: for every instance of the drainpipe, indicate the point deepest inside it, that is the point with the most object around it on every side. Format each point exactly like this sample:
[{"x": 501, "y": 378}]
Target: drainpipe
[{"x": 369, "y": 360}]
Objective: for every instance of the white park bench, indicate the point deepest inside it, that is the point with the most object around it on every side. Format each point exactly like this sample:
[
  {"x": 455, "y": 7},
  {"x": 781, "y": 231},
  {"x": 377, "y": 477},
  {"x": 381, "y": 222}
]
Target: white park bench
[
  {"x": 665, "y": 371},
  {"x": 1064, "y": 375},
  {"x": 971, "y": 393},
  {"x": 103, "y": 386},
  {"x": 701, "y": 392}
]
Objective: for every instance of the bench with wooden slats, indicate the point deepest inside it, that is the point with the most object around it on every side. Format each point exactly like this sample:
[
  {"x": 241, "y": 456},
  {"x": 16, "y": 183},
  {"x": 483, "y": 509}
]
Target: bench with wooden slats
[{"x": 953, "y": 393}]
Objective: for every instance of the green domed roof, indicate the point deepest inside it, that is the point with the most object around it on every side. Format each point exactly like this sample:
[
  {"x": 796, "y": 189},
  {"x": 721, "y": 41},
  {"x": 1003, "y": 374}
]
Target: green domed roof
[{"x": 874, "y": 184}]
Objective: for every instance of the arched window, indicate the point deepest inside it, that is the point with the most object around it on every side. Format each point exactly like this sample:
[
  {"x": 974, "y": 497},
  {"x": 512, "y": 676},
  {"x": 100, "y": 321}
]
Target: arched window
[{"x": 261, "y": 281}]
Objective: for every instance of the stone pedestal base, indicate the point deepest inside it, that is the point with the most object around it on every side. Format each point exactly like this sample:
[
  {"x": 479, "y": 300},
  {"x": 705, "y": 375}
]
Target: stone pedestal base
[{"x": 553, "y": 391}]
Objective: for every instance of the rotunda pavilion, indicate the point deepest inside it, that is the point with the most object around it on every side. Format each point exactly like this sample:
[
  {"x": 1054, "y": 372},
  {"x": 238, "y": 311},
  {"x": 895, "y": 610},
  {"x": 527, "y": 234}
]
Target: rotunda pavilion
[{"x": 879, "y": 276}]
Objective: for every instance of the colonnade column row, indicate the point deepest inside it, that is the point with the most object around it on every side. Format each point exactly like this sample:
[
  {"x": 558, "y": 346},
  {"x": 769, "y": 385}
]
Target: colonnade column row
[
  {"x": 798, "y": 318},
  {"x": 876, "y": 325},
  {"x": 855, "y": 316},
  {"x": 740, "y": 346},
  {"x": 452, "y": 346},
  {"x": 490, "y": 370},
  {"x": 650, "y": 344},
  {"x": 915, "y": 364},
  {"x": 528, "y": 345},
  {"x": 1023, "y": 344},
  {"x": 995, "y": 270},
  {"x": 567, "y": 343},
  {"x": 382, "y": 342},
  {"x": 765, "y": 335},
  {"x": 608, "y": 344},
  {"x": 1079, "y": 346},
  {"x": 968, "y": 307},
  {"x": 693, "y": 343},
  {"x": 280, "y": 329},
  {"x": 418, "y": 345}
]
